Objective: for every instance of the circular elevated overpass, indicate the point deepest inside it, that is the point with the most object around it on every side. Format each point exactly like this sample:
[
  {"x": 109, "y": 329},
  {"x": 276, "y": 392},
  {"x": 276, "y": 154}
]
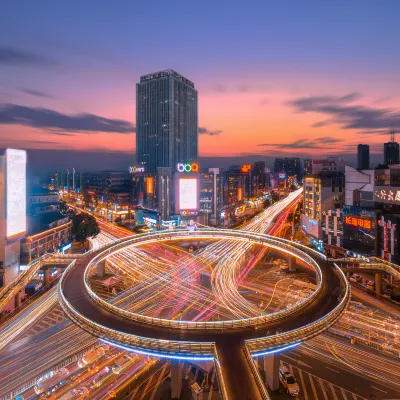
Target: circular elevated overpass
[{"x": 175, "y": 338}]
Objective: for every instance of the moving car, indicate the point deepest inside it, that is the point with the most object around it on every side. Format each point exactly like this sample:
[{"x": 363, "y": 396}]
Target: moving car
[
  {"x": 356, "y": 278},
  {"x": 92, "y": 355},
  {"x": 76, "y": 394},
  {"x": 102, "y": 376},
  {"x": 49, "y": 380},
  {"x": 121, "y": 363},
  {"x": 288, "y": 381}
]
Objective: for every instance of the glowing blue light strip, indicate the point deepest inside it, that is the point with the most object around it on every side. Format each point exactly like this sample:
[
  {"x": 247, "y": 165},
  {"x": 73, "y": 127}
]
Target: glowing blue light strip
[
  {"x": 161, "y": 355},
  {"x": 264, "y": 353}
]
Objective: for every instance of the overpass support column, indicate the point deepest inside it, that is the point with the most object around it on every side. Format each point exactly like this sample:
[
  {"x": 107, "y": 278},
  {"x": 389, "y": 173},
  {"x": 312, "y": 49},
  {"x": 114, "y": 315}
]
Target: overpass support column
[
  {"x": 46, "y": 280},
  {"x": 237, "y": 375},
  {"x": 176, "y": 379},
  {"x": 198, "y": 245},
  {"x": 101, "y": 268},
  {"x": 271, "y": 368},
  {"x": 17, "y": 300},
  {"x": 378, "y": 283},
  {"x": 292, "y": 264}
]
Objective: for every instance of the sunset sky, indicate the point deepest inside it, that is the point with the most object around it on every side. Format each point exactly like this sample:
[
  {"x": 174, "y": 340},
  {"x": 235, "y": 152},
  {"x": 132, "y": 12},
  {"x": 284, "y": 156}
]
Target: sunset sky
[{"x": 295, "y": 78}]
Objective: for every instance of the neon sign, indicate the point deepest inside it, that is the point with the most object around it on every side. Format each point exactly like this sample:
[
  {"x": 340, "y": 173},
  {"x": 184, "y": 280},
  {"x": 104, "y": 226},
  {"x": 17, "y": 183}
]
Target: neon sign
[
  {"x": 358, "y": 222},
  {"x": 194, "y": 167},
  {"x": 246, "y": 168},
  {"x": 134, "y": 169},
  {"x": 389, "y": 195}
]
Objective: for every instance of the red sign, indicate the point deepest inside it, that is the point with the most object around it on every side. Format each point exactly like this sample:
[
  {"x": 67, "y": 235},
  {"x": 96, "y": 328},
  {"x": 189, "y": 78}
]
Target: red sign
[
  {"x": 358, "y": 222},
  {"x": 246, "y": 168}
]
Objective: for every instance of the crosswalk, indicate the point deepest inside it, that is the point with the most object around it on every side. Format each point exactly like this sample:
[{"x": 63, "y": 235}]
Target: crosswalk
[{"x": 313, "y": 387}]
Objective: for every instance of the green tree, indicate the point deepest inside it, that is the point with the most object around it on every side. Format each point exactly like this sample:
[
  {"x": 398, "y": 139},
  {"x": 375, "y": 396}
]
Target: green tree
[{"x": 84, "y": 226}]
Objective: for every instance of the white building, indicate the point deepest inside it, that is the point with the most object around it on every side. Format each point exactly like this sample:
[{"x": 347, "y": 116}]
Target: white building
[
  {"x": 359, "y": 187},
  {"x": 12, "y": 212}
]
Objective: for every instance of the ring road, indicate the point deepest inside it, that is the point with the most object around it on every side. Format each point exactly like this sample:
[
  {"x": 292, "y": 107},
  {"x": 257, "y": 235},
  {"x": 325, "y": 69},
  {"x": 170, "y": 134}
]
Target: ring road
[{"x": 190, "y": 339}]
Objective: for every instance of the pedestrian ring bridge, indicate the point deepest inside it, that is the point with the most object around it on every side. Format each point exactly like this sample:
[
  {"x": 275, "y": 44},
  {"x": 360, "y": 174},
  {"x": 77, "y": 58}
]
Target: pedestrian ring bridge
[{"x": 174, "y": 338}]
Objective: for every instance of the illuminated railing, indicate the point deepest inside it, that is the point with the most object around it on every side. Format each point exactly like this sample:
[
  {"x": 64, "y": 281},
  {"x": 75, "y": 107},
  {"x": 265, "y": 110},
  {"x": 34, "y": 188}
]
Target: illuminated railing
[
  {"x": 307, "y": 331},
  {"x": 254, "y": 370},
  {"x": 205, "y": 348},
  {"x": 253, "y": 322},
  {"x": 16, "y": 285}
]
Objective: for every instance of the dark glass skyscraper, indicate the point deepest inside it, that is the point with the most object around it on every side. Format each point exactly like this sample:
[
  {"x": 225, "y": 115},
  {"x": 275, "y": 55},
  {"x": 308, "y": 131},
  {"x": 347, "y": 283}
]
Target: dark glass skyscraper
[
  {"x": 363, "y": 156},
  {"x": 166, "y": 121},
  {"x": 290, "y": 165},
  {"x": 391, "y": 153}
]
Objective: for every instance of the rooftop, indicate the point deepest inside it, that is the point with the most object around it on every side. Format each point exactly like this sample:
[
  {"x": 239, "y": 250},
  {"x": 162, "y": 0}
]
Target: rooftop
[{"x": 162, "y": 74}]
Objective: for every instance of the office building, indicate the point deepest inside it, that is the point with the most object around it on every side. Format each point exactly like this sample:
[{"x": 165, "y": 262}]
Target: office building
[
  {"x": 363, "y": 156},
  {"x": 211, "y": 196},
  {"x": 166, "y": 121},
  {"x": 329, "y": 164},
  {"x": 291, "y": 166},
  {"x": 391, "y": 153},
  {"x": 307, "y": 167},
  {"x": 322, "y": 193}
]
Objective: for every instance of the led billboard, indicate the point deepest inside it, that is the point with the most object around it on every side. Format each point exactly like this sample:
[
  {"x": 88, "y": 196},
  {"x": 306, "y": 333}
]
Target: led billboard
[
  {"x": 188, "y": 194},
  {"x": 15, "y": 192}
]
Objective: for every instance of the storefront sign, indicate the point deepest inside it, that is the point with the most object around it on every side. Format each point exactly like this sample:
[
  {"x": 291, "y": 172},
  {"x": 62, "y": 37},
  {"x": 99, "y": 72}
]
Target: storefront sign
[{"x": 358, "y": 222}]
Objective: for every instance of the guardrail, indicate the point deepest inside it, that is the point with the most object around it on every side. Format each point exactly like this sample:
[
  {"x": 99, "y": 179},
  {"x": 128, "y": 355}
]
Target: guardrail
[
  {"x": 260, "y": 384},
  {"x": 253, "y": 322}
]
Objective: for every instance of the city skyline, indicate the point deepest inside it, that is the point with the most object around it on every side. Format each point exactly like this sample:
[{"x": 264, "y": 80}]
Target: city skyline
[{"x": 267, "y": 89}]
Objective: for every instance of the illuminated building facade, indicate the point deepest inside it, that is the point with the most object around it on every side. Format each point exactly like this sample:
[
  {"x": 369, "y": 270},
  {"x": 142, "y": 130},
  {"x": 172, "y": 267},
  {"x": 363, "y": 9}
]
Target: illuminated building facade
[
  {"x": 329, "y": 164},
  {"x": 359, "y": 229},
  {"x": 236, "y": 186},
  {"x": 321, "y": 193},
  {"x": 13, "y": 224},
  {"x": 307, "y": 167},
  {"x": 289, "y": 165},
  {"x": 48, "y": 241},
  {"x": 166, "y": 121},
  {"x": 388, "y": 227},
  {"x": 211, "y": 193}
]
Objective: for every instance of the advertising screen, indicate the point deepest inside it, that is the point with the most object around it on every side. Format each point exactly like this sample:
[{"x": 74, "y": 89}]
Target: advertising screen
[
  {"x": 188, "y": 193},
  {"x": 359, "y": 229},
  {"x": 16, "y": 192}
]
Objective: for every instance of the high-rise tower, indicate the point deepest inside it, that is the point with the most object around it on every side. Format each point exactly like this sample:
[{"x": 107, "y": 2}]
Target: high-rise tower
[
  {"x": 166, "y": 121},
  {"x": 363, "y": 156},
  {"x": 391, "y": 151}
]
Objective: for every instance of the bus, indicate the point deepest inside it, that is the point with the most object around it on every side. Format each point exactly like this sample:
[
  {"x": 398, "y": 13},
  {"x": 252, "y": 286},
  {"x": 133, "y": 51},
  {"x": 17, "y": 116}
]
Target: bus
[
  {"x": 49, "y": 380},
  {"x": 102, "y": 376},
  {"x": 121, "y": 363}
]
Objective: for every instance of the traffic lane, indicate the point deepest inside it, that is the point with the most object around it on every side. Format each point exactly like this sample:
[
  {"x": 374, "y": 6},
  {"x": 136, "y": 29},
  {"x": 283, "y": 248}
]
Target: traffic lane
[{"x": 338, "y": 374}]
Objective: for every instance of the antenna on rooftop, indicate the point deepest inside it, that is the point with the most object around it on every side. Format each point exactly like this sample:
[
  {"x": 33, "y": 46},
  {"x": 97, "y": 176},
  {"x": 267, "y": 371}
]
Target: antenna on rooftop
[{"x": 392, "y": 132}]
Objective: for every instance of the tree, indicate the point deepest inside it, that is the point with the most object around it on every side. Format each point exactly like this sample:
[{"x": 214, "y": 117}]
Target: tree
[{"x": 84, "y": 226}]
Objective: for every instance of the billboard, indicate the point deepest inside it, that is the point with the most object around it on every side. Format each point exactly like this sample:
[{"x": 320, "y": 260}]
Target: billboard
[
  {"x": 359, "y": 229},
  {"x": 311, "y": 227},
  {"x": 387, "y": 194},
  {"x": 15, "y": 192},
  {"x": 188, "y": 194}
]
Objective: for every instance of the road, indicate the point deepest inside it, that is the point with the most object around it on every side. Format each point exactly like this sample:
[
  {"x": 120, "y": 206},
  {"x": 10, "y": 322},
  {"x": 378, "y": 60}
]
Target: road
[{"x": 319, "y": 359}]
